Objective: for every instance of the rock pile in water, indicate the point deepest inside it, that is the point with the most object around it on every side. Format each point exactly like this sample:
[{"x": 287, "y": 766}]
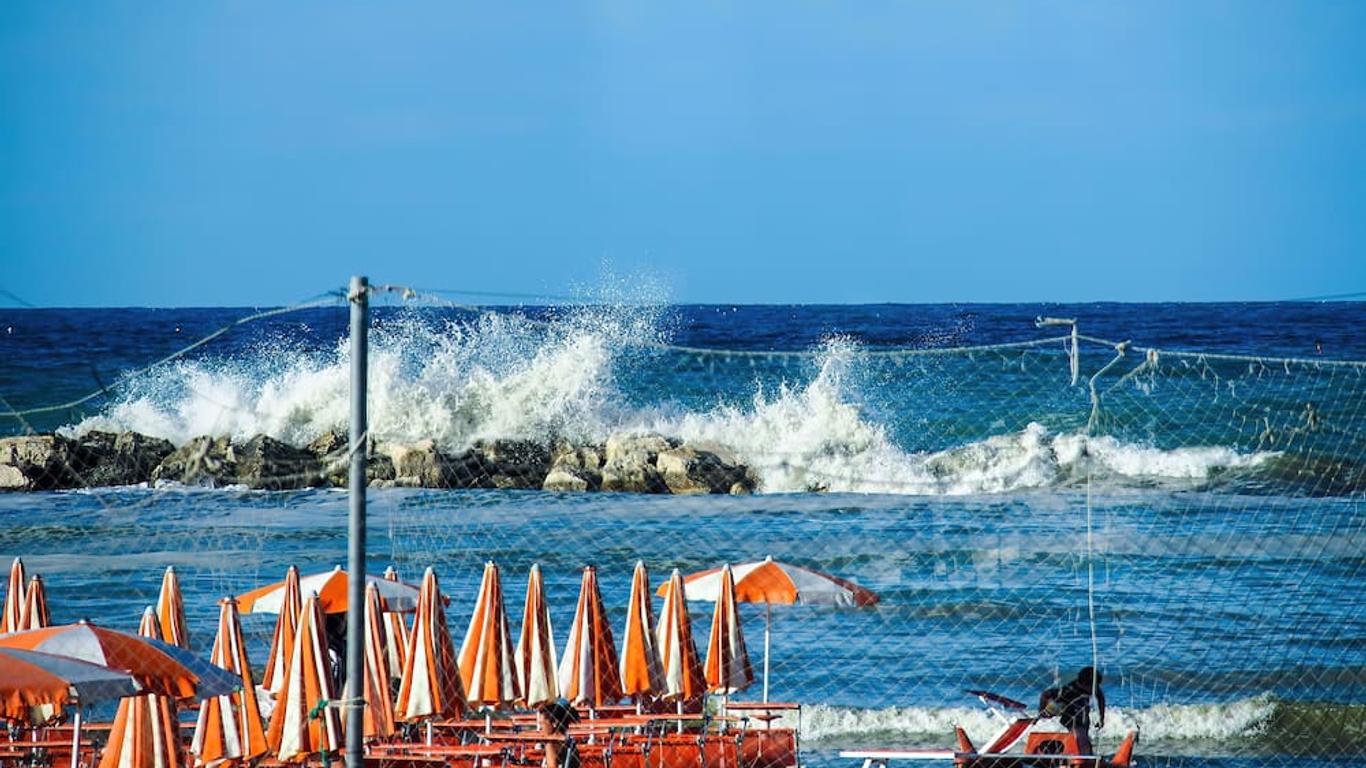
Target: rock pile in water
[{"x": 626, "y": 462}]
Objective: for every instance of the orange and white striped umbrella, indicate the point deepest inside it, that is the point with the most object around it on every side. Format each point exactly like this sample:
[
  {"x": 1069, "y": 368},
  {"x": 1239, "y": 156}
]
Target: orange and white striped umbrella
[
  {"x": 588, "y": 669},
  {"x": 727, "y": 669},
  {"x": 379, "y": 707},
  {"x": 146, "y": 733},
  {"x": 300, "y": 727},
  {"x": 486, "y": 659},
  {"x": 430, "y": 687},
  {"x": 286, "y": 627},
  {"x": 12, "y": 617},
  {"x": 642, "y": 674},
  {"x": 171, "y": 610},
  {"x": 332, "y": 590},
  {"x": 535, "y": 664},
  {"x": 677, "y": 652},
  {"x": 229, "y": 730},
  {"x": 395, "y": 633},
  {"x": 36, "y": 615}
]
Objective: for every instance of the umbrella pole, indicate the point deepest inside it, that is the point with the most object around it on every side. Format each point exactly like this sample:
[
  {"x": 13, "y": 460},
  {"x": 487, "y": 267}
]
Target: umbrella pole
[
  {"x": 76, "y": 739},
  {"x": 768, "y": 630}
]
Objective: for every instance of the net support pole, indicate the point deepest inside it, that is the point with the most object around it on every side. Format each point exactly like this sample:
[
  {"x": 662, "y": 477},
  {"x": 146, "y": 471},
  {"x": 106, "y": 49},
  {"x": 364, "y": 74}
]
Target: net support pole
[{"x": 359, "y": 298}]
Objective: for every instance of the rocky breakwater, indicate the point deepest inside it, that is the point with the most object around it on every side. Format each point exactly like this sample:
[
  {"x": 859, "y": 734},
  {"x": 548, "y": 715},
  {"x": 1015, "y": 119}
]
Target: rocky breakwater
[{"x": 626, "y": 462}]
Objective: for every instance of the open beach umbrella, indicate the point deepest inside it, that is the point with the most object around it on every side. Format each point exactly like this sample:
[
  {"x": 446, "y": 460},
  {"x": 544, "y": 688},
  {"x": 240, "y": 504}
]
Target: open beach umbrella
[
  {"x": 774, "y": 583},
  {"x": 146, "y": 733},
  {"x": 286, "y": 626},
  {"x": 331, "y": 588},
  {"x": 36, "y": 615},
  {"x": 12, "y": 617},
  {"x": 158, "y": 666},
  {"x": 642, "y": 674},
  {"x": 727, "y": 668},
  {"x": 379, "y": 707},
  {"x": 486, "y": 658},
  {"x": 171, "y": 610},
  {"x": 431, "y": 687},
  {"x": 33, "y": 679},
  {"x": 229, "y": 731},
  {"x": 302, "y": 723},
  {"x": 535, "y": 664},
  {"x": 588, "y": 669},
  {"x": 395, "y": 633},
  {"x": 678, "y": 657}
]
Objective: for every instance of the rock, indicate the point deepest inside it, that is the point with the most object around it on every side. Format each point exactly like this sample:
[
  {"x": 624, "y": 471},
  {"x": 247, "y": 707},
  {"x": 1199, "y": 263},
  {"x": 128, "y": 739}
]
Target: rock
[
  {"x": 123, "y": 459},
  {"x": 565, "y": 478},
  {"x": 419, "y": 465},
  {"x": 203, "y": 460},
  {"x": 265, "y": 463},
  {"x": 629, "y": 463},
  {"x": 628, "y": 448},
  {"x": 515, "y": 463},
  {"x": 588, "y": 457},
  {"x": 40, "y": 462},
  {"x": 333, "y": 450},
  {"x": 700, "y": 469}
]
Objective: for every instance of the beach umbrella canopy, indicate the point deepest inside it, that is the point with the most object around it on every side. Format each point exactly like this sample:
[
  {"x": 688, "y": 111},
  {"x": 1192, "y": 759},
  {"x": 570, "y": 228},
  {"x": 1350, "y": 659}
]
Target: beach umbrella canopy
[
  {"x": 535, "y": 663},
  {"x": 331, "y": 588},
  {"x": 677, "y": 651},
  {"x": 727, "y": 668},
  {"x": 486, "y": 657},
  {"x": 379, "y": 707},
  {"x": 158, "y": 666},
  {"x": 302, "y": 724},
  {"x": 12, "y": 617},
  {"x": 30, "y": 679},
  {"x": 146, "y": 733},
  {"x": 642, "y": 674},
  {"x": 286, "y": 626},
  {"x": 588, "y": 669},
  {"x": 395, "y": 633},
  {"x": 36, "y": 615},
  {"x": 171, "y": 610},
  {"x": 229, "y": 731},
  {"x": 431, "y": 686}
]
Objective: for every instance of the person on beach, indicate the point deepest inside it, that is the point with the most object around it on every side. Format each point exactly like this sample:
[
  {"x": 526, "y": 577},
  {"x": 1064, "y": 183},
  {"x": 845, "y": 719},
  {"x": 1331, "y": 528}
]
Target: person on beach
[
  {"x": 1071, "y": 704},
  {"x": 560, "y": 752}
]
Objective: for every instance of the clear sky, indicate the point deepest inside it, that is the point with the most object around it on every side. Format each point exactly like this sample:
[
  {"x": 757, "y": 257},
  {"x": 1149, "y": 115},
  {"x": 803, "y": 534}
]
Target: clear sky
[{"x": 240, "y": 153}]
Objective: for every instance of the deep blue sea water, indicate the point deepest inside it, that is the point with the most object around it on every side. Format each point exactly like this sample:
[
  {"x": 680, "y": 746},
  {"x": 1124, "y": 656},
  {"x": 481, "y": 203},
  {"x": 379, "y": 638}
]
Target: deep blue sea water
[{"x": 1225, "y": 493}]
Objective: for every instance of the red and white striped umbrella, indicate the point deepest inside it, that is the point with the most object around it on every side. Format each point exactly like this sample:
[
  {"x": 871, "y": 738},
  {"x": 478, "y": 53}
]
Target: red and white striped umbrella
[
  {"x": 286, "y": 627},
  {"x": 171, "y": 610},
  {"x": 727, "y": 668},
  {"x": 12, "y": 615},
  {"x": 146, "y": 732},
  {"x": 588, "y": 669},
  {"x": 536, "y": 675},
  {"x": 395, "y": 633},
  {"x": 36, "y": 615},
  {"x": 642, "y": 674},
  {"x": 294, "y": 733},
  {"x": 229, "y": 731},
  {"x": 486, "y": 657},
  {"x": 430, "y": 688},
  {"x": 682, "y": 666},
  {"x": 379, "y": 707}
]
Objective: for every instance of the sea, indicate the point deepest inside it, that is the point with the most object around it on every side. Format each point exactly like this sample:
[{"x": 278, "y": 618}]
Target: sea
[{"x": 1178, "y": 503}]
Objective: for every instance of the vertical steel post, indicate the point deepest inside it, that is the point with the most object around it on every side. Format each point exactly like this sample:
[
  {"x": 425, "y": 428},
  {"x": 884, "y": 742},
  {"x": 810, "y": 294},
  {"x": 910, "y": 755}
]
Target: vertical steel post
[{"x": 359, "y": 296}]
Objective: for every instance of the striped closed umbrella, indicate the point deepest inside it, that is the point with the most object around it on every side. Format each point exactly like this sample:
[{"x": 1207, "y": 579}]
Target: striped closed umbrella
[
  {"x": 379, "y": 707},
  {"x": 588, "y": 669},
  {"x": 431, "y": 687},
  {"x": 535, "y": 664},
  {"x": 727, "y": 669},
  {"x": 642, "y": 674},
  {"x": 36, "y": 615},
  {"x": 395, "y": 633},
  {"x": 171, "y": 610},
  {"x": 146, "y": 732},
  {"x": 486, "y": 657},
  {"x": 302, "y": 723},
  {"x": 677, "y": 651},
  {"x": 12, "y": 616},
  {"x": 229, "y": 731},
  {"x": 286, "y": 627}
]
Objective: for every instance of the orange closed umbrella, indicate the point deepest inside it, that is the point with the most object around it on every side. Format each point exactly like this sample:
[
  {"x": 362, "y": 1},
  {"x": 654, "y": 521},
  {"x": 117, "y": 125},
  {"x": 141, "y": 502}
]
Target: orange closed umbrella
[
  {"x": 588, "y": 669},
  {"x": 486, "y": 657},
  {"x": 727, "y": 668},
  {"x": 36, "y": 615},
  {"x": 228, "y": 731},
  {"x": 677, "y": 651},
  {"x": 171, "y": 610},
  {"x": 430, "y": 688},
  {"x": 535, "y": 663},
  {"x": 302, "y": 723},
  {"x": 642, "y": 674},
  {"x": 379, "y": 707},
  {"x": 146, "y": 733},
  {"x": 12, "y": 615},
  {"x": 286, "y": 626},
  {"x": 395, "y": 633}
]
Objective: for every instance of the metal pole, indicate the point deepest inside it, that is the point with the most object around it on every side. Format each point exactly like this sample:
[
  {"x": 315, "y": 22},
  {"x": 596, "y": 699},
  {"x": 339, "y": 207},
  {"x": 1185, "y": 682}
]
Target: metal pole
[
  {"x": 359, "y": 297},
  {"x": 768, "y": 630}
]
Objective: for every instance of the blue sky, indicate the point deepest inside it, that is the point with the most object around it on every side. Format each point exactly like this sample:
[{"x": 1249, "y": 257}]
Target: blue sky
[{"x": 238, "y": 153}]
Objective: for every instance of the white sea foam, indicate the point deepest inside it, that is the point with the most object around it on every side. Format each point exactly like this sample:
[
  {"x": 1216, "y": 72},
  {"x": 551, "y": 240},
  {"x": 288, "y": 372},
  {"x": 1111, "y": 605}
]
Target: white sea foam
[{"x": 505, "y": 376}]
